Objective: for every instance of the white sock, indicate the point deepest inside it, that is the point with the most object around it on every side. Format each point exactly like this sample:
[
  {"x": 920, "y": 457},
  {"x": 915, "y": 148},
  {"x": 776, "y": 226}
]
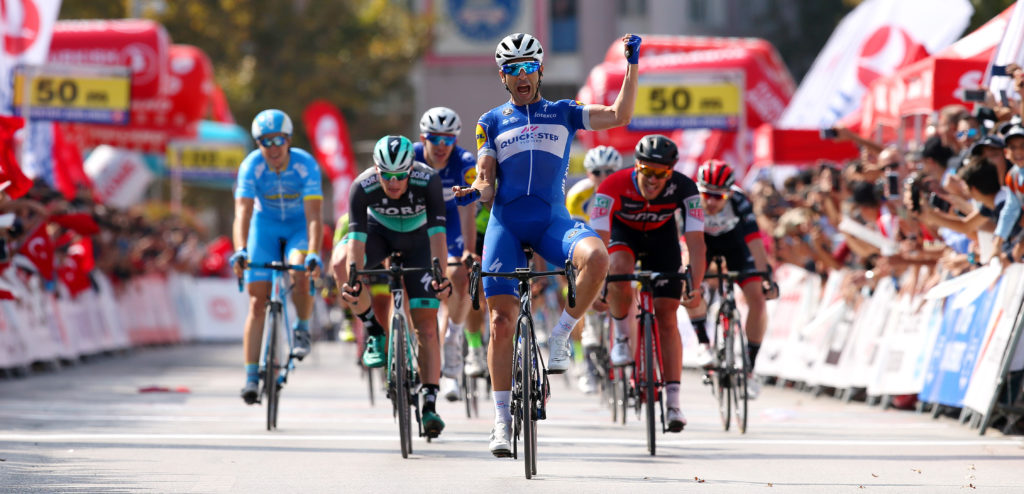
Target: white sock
[
  {"x": 564, "y": 326},
  {"x": 672, "y": 395},
  {"x": 621, "y": 328},
  {"x": 454, "y": 330},
  {"x": 501, "y": 410}
]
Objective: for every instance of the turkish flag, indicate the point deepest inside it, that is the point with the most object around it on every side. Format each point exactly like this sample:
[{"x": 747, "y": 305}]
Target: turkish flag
[
  {"x": 74, "y": 276},
  {"x": 9, "y": 168},
  {"x": 81, "y": 223},
  {"x": 38, "y": 248}
]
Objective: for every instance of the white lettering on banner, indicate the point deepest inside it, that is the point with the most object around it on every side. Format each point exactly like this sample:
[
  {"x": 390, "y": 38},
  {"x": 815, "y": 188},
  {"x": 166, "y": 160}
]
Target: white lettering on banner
[{"x": 544, "y": 137}]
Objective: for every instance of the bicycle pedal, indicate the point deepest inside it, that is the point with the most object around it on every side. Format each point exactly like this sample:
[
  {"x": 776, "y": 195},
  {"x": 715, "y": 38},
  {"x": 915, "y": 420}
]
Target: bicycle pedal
[{"x": 552, "y": 372}]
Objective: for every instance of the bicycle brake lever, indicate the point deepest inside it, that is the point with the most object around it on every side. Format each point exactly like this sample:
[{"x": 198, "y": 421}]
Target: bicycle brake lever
[
  {"x": 570, "y": 276},
  {"x": 353, "y": 281}
]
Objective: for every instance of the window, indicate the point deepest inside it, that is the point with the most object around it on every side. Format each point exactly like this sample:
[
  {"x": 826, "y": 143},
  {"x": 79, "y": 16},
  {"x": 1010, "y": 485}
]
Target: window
[{"x": 563, "y": 26}]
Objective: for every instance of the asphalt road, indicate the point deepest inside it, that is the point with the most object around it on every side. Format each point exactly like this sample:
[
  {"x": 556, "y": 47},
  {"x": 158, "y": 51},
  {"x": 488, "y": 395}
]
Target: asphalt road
[{"x": 91, "y": 428}]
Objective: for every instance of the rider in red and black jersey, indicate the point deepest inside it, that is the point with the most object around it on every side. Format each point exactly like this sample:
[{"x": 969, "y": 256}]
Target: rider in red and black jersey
[{"x": 634, "y": 213}]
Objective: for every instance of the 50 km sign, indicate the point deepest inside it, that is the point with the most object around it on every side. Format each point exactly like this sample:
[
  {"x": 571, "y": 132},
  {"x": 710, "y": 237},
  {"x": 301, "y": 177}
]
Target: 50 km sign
[
  {"x": 73, "y": 93},
  {"x": 687, "y": 105}
]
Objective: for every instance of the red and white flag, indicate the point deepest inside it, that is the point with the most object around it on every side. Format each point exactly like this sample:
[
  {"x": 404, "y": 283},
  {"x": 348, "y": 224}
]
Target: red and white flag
[
  {"x": 26, "y": 27},
  {"x": 38, "y": 248},
  {"x": 332, "y": 147},
  {"x": 872, "y": 41},
  {"x": 1010, "y": 50}
]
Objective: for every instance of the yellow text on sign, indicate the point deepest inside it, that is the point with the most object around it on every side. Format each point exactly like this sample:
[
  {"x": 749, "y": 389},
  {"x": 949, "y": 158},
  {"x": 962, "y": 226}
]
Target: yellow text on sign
[
  {"x": 107, "y": 93},
  {"x": 708, "y": 99},
  {"x": 224, "y": 158}
]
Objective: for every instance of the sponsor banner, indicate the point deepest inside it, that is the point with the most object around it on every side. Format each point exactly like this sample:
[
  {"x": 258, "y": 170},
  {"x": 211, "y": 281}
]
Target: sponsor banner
[
  {"x": 900, "y": 366},
  {"x": 688, "y": 100},
  {"x": 986, "y": 374},
  {"x": 953, "y": 358},
  {"x": 800, "y": 293},
  {"x": 467, "y": 31},
  {"x": 92, "y": 94},
  {"x": 867, "y": 333},
  {"x": 220, "y": 310}
]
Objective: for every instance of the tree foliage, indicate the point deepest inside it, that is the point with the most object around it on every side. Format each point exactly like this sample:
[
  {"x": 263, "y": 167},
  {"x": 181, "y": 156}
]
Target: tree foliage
[{"x": 284, "y": 54}]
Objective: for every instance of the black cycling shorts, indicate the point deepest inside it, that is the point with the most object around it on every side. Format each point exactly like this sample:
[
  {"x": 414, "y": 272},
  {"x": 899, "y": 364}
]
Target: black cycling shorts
[
  {"x": 657, "y": 250},
  {"x": 415, "y": 249}
]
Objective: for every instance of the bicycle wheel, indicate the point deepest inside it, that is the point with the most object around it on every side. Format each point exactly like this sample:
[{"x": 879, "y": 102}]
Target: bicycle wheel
[
  {"x": 623, "y": 387},
  {"x": 401, "y": 381},
  {"x": 529, "y": 398},
  {"x": 739, "y": 373},
  {"x": 369, "y": 382},
  {"x": 720, "y": 372},
  {"x": 270, "y": 367},
  {"x": 648, "y": 380}
]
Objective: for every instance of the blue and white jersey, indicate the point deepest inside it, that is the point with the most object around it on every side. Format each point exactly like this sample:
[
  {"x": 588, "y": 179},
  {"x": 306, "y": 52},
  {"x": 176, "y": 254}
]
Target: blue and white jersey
[
  {"x": 531, "y": 144},
  {"x": 460, "y": 170},
  {"x": 279, "y": 196}
]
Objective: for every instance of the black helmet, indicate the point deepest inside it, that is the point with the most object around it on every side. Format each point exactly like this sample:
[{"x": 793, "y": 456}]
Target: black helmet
[{"x": 657, "y": 148}]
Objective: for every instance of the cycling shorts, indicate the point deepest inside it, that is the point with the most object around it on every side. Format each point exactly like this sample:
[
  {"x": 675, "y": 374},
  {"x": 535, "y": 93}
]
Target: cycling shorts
[
  {"x": 737, "y": 257},
  {"x": 381, "y": 242},
  {"x": 264, "y": 244},
  {"x": 454, "y": 237},
  {"x": 657, "y": 250},
  {"x": 527, "y": 220}
]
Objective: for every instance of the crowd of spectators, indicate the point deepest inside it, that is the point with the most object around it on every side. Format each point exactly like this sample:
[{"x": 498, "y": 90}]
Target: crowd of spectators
[
  {"x": 950, "y": 204},
  {"x": 65, "y": 240}
]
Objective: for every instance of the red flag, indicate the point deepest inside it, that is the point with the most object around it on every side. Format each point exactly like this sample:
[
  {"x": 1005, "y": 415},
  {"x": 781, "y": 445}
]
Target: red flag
[
  {"x": 68, "y": 169},
  {"x": 81, "y": 223},
  {"x": 9, "y": 168},
  {"x": 219, "y": 106},
  {"x": 38, "y": 248},
  {"x": 73, "y": 275},
  {"x": 328, "y": 132}
]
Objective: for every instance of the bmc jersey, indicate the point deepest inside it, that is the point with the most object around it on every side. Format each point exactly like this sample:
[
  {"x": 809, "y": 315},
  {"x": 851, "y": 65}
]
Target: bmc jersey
[
  {"x": 460, "y": 170},
  {"x": 279, "y": 196},
  {"x": 734, "y": 224},
  {"x": 619, "y": 198},
  {"x": 422, "y": 205},
  {"x": 531, "y": 144}
]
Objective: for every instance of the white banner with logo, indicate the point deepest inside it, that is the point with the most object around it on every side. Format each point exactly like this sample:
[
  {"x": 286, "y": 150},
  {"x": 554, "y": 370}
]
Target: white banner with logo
[
  {"x": 26, "y": 27},
  {"x": 220, "y": 310},
  {"x": 472, "y": 28},
  {"x": 872, "y": 41},
  {"x": 119, "y": 177}
]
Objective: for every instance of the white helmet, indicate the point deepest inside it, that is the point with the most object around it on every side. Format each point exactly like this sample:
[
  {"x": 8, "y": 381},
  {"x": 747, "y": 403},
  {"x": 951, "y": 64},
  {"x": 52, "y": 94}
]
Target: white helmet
[
  {"x": 518, "y": 45},
  {"x": 393, "y": 154},
  {"x": 440, "y": 120},
  {"x": 602, "y": 156}
]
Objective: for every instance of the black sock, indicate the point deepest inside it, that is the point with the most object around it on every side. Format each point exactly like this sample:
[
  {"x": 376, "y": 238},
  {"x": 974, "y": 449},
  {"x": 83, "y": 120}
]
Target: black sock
[
  {"x": 702, "y": 332},
  {"x": 370, "y": 323},
  {"x": 429, "y": 392},
  {"x": 752, "y": 349}
]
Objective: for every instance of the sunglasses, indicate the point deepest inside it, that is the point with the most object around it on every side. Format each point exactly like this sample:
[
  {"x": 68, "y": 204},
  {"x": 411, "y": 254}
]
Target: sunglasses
[
  {"x": 968, "y": 134},
  {"x": 715, "y": 195},
  {"x": 653, "y": 172},
  {"x": 272, "y": 141},
  {"x": 602, "y": 171},
  {"x": 514, "y": 67},
  {"x": 389, "y": 176},
  {"x": 439, "y": 140}
]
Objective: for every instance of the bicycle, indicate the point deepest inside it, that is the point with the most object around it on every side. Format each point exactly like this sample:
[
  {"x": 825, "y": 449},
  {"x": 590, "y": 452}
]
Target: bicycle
[
  {"x": 645, "y": 381},
  {"x": 530, "y": 386},
  {"x": 730, "y": 362},
  {"x": 274, "y": 369},
  {"x": 403, "y": 377},
  {"x": 599, "y": 359}
]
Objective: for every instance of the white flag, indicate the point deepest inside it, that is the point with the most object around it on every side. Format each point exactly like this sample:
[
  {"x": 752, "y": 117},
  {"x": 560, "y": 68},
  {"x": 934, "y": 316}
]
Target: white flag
[
  {"x": 1009, "y": 51},
  {"x": 872, "y": 41},
  {"x": 26, "y": 27}
]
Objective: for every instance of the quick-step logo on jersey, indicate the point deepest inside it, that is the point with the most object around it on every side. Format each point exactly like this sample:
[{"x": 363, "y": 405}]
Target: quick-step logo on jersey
[{"x": 549, "y": 138}]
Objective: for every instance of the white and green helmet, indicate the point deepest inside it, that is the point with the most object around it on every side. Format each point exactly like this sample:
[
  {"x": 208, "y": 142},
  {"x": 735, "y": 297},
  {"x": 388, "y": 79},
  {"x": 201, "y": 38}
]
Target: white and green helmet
[
  {"x": 393, "y": 154},
  {"x": 602, "y": 157}
]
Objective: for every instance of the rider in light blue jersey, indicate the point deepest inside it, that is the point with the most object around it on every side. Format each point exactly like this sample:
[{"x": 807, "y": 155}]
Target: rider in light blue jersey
[
  {"x": 278, "y": 197},
  {"x": 522, "y": 158},
  {"x": 439, "y": 129}
]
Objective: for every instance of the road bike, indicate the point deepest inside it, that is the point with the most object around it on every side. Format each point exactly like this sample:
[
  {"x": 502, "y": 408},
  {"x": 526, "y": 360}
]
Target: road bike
[
  {"x": 645, "y": 383},
  {"x": 730, "y": 364},
  {"x": 275, "y": 365},
  {"x": 403, "y": 376},
  {"x": 530, "y": 386}
]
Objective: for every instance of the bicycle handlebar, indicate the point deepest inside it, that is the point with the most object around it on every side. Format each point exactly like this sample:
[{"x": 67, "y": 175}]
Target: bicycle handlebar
[
  {"x": 277, "y": 266},
  {"x": 521, "y": 274},
  {"x": 651, "y": 276},
  {"x": 395, "y": 270}
]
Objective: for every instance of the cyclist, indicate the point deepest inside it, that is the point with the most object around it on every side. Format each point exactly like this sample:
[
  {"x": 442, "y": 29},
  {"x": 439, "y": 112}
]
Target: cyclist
[
  {"x": 731, "y": 231},
  {"x": 599, "y": 162},
  {"x": 278, "y": 196},
  {"x": 398, "y": 206},
  {"x": 634, "y": 212},
  {"x": 439, "y": 128},
  {"x": 524, "y": 145}
]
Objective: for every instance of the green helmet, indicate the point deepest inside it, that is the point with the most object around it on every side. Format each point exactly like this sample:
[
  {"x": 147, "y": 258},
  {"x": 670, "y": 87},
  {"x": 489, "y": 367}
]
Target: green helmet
[{"x": 393, "y": 154}]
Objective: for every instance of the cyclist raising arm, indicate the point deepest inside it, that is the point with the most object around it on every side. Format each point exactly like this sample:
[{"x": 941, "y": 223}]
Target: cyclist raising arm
[
  {"x": 278, "y": 196},
  {"x": 524, "y": 144},
  {"x": 731, "y": 231},
  {"x": 439, "y": 128},
  {"x": 634, "y": 212},
  {"x": 398, "y": 206}
]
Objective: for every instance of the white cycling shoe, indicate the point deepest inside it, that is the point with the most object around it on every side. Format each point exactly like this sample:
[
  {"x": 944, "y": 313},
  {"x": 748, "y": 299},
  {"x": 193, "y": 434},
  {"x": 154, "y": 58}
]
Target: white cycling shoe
[
  {"x": 621, "y": 354},
  {"x": 452, "y": 358},
  {"x": 753, "y": 387},
  {"x": 501, "y": 445},
  {"x": 559, "y": 355},
  {"x": 450, "y": 389},
  {"x": 476, "y": 362},
  {"x": 702, "y": 357},
  {"x": 676, "y": 419}
]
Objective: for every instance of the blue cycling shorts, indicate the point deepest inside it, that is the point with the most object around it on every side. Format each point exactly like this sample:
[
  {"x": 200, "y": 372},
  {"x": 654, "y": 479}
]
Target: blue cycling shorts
[
  {"x": 264, "y": 244},
  {"x": 531, "y": 221}
]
